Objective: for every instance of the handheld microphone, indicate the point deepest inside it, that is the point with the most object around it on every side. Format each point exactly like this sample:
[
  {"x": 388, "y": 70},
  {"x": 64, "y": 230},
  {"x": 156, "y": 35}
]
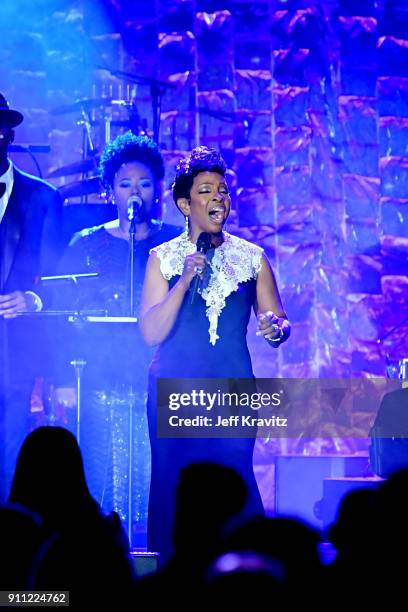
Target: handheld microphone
[
  {"x": 134, "y": 204},
  {"x": 203, "y": 245}
]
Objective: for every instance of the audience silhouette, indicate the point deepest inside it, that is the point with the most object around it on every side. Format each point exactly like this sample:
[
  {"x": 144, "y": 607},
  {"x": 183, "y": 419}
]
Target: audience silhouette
[
  {"x": 85, "y": 552},
  {"x": 21, "y": 536},
  {"x": 54, "y": 536}
]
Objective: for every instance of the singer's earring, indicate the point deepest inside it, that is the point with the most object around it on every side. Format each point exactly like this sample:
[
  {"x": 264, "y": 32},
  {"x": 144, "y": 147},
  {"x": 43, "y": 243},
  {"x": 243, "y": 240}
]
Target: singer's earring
[
  {"x": 187, "y": 227},
  {"x": 108, "y": 196}
]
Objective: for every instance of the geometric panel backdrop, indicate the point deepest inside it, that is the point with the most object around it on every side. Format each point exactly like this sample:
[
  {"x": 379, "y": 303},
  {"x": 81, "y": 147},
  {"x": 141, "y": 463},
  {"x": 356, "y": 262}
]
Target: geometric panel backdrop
[{"x": 307, "y": 100}]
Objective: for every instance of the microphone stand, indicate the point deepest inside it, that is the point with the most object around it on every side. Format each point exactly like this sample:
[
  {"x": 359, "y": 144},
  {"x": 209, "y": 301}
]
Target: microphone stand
[
  {"x": 88, "y": 147},
  {"x": 78, "y": 365},
  {"x": 132, "y": 240}
]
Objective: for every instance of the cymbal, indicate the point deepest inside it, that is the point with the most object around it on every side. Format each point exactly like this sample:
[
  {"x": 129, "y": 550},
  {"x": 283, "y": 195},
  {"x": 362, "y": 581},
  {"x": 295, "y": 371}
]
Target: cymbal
[
  {"x": 86, "y": 104},
  {"x": 81, "y": 188},
  {"x": 84, "y": 165}
]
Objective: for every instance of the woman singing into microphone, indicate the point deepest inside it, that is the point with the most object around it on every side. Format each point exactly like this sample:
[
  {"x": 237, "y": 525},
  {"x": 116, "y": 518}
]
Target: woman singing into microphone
[
  {"x": 203, "y": 335},
  {"x": 115, "y": 375}
]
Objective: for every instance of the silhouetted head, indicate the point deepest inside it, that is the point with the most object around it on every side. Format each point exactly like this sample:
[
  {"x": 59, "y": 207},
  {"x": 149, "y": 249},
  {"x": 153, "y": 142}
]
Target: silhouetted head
[
  {"x": 292, "y": 542},
  {"x": 49, "y": 477},
  {"x": 208, "y": 496},
  {"x": 353, "y": 530},
  {"x": 236, "y": 576},
  {"x": 392, "y": 511}
]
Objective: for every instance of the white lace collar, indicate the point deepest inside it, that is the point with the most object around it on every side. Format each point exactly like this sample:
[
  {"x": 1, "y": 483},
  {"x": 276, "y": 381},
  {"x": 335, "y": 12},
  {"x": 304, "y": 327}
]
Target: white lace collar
[{"x": 235, "y": 261}]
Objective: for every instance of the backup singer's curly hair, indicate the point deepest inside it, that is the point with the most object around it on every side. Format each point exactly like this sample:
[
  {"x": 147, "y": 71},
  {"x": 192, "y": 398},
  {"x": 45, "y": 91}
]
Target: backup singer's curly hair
[
  {"x": 201, "y": 159},
  {"x": 128, "y": 148}
]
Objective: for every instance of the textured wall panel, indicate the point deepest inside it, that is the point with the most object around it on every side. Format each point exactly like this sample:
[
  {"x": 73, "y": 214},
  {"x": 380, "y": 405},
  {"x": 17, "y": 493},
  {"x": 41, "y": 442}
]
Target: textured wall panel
[{"x": 393, "y": 136}]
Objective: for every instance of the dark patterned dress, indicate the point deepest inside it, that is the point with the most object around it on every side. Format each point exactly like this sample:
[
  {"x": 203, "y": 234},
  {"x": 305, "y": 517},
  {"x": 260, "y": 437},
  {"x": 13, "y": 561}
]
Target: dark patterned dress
[{"x": 113, "y": 408}]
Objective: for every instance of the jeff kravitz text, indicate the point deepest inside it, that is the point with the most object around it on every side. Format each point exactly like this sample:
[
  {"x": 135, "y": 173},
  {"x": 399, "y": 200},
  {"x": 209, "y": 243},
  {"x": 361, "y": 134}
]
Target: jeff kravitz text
[{"x": 232, "y": 421}]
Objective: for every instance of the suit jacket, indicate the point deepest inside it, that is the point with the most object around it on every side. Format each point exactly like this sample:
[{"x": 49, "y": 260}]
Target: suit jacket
[
  {"x": 29, "y": 247},
  {"x": 30, "y": 233}
]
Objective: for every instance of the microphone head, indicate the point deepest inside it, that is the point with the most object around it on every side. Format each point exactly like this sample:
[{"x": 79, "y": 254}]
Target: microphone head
[
  {"x": 204, "y": 242},
  {"x": 134, "y": 204},
  {"x": 135, "y": 200}
]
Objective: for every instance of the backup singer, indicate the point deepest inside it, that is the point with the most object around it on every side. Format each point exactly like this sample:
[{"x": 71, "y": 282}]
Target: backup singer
[{"x": 117, "y": 359}]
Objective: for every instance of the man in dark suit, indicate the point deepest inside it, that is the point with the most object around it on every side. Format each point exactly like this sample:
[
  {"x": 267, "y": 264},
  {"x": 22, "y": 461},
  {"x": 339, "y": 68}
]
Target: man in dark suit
[{"x": 30, "y": 212}]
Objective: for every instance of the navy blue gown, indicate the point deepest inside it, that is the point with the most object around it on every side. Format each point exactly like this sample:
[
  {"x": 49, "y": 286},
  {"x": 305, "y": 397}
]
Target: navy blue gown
[{"x": 187, "y": 353}]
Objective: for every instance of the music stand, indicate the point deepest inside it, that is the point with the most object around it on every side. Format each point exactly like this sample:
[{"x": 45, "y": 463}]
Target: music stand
[
  {"x": 78, "y": 365},
  {"x": 96, "y": 317},
  {"x": 74, "y": 315}
]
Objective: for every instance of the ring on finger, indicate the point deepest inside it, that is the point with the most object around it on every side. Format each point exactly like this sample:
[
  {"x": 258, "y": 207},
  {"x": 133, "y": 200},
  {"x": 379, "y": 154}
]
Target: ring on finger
[
  {"x": 271, "y": 315},
  {"x": 277, "y": 338},
  {"x": 198, "y": 269}
]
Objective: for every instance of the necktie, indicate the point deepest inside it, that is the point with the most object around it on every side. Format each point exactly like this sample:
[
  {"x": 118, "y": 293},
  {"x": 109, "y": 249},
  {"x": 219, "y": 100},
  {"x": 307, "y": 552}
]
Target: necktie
[{"x": 2, "y": 189}]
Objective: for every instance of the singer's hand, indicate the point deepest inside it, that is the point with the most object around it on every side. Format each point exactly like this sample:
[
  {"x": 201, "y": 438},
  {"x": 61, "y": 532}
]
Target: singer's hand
[
  {"x": 18, "y": 301},
  {"x": 193, "y": 265},
  {"x": 274, "y": 329}
]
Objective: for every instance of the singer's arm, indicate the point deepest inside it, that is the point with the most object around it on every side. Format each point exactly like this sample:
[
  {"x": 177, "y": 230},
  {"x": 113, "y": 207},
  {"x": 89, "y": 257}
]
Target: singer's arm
[
  {"x": 160, "y": 306},
  {"x": 273, "y": 324}
]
